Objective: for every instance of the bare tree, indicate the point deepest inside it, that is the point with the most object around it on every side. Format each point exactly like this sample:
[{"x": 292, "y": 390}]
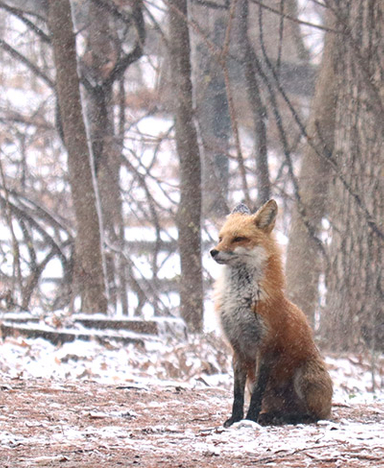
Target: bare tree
[
  {"x": 88, "y": 278},
  {"x": 104, "y": 63},
  {"x": 253, "y": 81},
  {"x": 355, "y": 280},
  {"x": 189, "y": 211}
]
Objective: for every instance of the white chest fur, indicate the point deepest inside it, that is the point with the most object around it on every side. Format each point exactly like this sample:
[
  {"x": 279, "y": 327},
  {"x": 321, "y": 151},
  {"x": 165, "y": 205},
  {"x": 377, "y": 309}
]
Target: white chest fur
[{"x": 238, "y": 292}]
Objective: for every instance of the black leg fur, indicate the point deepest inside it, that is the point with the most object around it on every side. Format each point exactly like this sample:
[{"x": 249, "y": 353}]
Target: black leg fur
[
  {"x": 240, "y": 376},
  {"x": 258, "y": 392}
]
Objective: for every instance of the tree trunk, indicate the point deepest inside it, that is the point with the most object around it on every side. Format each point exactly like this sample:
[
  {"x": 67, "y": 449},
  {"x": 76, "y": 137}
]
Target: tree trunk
[
  {"x": 303, "y": 263},
  {"x": 212, "y": 110},
  {"x": 101, "y": 57},
  {"x": 88, "y": 276},
  {"x": 355, "y": 282},
  {"x": 189, "y": 212},
  {"x": 258, "y": 110}
]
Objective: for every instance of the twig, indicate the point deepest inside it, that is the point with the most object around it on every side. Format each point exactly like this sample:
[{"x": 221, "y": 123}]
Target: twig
[
  {"x": 36, "y": 70},
  {"x": 19, "y": 213},
  {"x": 208, "y": 4},
  {"x": 291, "y": 18},
  {"x": 16, "y": 276},
  {"x": 137, "y": 51},
  {"x": 362, "y": 64},
  {"x": 20, "y": 15},
  {"x": 281, "y": 32},
  {"x": 327, "y": 155},
  {"x": 157, "y": 300},
  {"x": 286, "y": 453},
  {"x": 322, "y": 154},
  {"x": 221, "y": 55},
  {"x": 300, "y": 205}
]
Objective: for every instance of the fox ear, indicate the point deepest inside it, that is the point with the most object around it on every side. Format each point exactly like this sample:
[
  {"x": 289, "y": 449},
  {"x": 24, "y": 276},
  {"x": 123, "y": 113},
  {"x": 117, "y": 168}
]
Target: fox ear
[
  {"x": 265, "y": 217},
  {"x": 242, "y": 209}
]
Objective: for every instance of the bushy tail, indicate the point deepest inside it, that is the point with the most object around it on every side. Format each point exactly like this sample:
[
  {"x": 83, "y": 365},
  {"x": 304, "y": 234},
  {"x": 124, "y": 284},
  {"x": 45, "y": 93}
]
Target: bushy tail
[{"x": 314, "y": 387}]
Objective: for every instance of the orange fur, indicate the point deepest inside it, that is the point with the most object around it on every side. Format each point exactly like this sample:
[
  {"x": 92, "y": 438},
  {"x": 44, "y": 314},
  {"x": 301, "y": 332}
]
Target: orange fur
[{"x": 280, "y": 336}]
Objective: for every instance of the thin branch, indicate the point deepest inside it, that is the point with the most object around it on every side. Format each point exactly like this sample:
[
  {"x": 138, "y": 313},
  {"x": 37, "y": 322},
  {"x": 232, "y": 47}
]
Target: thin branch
[
  {"x": 33, "y": 280},
  {"x": 221, "y": 55},
  {"x": 316, "y": 2},
  {"x": 21, "y": 58},
  {"x": 225, "y": 49},
  {"x": 19, "y": 213},
  {"x": 327, "y": 155},
  {"x": 362, "y": 64},
  {"x": 20, "y": 15},
  {"x": 144, "y": 186},
  {"x": 300, "y": 205},
  {"x": 114, "y": 10},
  {"x": 292, "y": 18},
  {"x": 15, "y": 245},
  {"x": 47, "y": 216},
  {"x": 322, "y": 154},
  {"x": 157, "y": 26},
  {"x": 153, "y": 212},
  {"x": 281, "y": 32},
  {"x": 213, "y": 5},
  {"x": 15, "y": 117},
  {"x": 156, "y": 299},
  {"x": 137, "y": 52},
  {"x": 147, "y": 173},
  {"x": 231, "y": 105}
]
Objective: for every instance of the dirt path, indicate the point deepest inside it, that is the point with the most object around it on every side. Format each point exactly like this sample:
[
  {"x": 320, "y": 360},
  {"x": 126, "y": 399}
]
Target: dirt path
[{"x": 45, "y": 423}]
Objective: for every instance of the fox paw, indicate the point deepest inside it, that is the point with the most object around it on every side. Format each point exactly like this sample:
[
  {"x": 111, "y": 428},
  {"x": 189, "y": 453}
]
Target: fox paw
[{"x": 232, "y": 420}]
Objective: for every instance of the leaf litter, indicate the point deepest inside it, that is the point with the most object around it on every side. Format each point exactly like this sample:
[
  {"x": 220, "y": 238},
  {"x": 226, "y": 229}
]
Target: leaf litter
[{"x": 85, "y": 403}]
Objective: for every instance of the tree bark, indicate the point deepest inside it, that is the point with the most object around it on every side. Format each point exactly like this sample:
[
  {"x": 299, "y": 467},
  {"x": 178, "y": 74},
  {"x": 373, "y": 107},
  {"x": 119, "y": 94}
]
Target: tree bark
[
  {"x": 88, "y": 277},
  {"x": 355, "y": 282},
  {"x": 101, "y": 57},
  {"x": 212, "y": 110},
  {"x": 304, "y": 262},
  {"x": 258, "y": 110},
  {"x": 189, "y": 211}
]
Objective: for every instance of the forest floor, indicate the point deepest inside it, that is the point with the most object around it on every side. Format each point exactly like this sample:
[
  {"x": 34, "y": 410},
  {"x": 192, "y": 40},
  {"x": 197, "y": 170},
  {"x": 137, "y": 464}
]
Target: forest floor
[{"x": 44, "y": 422}]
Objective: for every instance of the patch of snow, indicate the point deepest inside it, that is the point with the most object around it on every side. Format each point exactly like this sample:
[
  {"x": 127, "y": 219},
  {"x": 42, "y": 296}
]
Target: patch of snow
[{"x": 200, "y": 361}]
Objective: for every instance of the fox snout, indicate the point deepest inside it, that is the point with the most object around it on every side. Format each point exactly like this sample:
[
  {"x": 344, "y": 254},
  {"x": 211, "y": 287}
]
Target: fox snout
[
  {"x": 221, "y": 257},
  {"x": 214, "y": 252},
  {"x": 217, "y": 255}
]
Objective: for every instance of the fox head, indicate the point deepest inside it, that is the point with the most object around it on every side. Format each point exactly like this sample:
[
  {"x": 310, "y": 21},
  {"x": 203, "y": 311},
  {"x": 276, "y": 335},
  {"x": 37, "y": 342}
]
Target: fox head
[{"x": 246, "y": 238}]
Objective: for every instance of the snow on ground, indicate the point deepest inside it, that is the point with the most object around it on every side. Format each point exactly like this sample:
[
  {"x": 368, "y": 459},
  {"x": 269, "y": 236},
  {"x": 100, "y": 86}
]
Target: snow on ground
[
  {"x": 160, "y": 360},
  {"x": 163, "y": 404},
  {"x": 198, "y": 360},
  {"x": 46, "y": 423}
]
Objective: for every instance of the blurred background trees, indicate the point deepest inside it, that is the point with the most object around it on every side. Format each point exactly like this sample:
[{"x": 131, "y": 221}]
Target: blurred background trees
[{"x": 111, "y": 192}]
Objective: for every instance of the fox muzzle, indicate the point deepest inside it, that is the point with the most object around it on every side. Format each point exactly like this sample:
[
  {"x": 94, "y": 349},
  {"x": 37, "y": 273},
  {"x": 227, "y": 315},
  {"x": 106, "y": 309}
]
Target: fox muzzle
[{"x": 214, "y": 252}]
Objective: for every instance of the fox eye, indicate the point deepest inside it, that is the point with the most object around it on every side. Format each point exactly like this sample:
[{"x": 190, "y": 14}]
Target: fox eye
[
  {"x": 220, "y": 239},
  {"x": 239, "y": 239}
]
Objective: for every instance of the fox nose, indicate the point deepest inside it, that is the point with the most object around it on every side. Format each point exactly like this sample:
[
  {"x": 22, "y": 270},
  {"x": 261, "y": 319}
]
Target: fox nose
[{"x": 214, "y": 252}]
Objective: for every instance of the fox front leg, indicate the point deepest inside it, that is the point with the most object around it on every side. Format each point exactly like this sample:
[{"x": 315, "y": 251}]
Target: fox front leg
[
  {"x": 258, "y": 391},
  {"x": 240, "y": 376}
]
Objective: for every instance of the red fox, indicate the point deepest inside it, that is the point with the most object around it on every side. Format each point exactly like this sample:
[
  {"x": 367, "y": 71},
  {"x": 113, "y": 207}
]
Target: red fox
[{"x": 272, "y": 342}]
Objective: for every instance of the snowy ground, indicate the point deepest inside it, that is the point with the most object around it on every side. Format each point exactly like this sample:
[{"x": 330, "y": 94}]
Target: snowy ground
[{"x": 163, "y": 404}]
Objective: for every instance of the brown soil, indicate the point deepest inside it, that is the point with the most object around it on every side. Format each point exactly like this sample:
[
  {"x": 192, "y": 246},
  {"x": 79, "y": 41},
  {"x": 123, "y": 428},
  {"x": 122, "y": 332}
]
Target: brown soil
[{"x": 86, "y": 424}]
